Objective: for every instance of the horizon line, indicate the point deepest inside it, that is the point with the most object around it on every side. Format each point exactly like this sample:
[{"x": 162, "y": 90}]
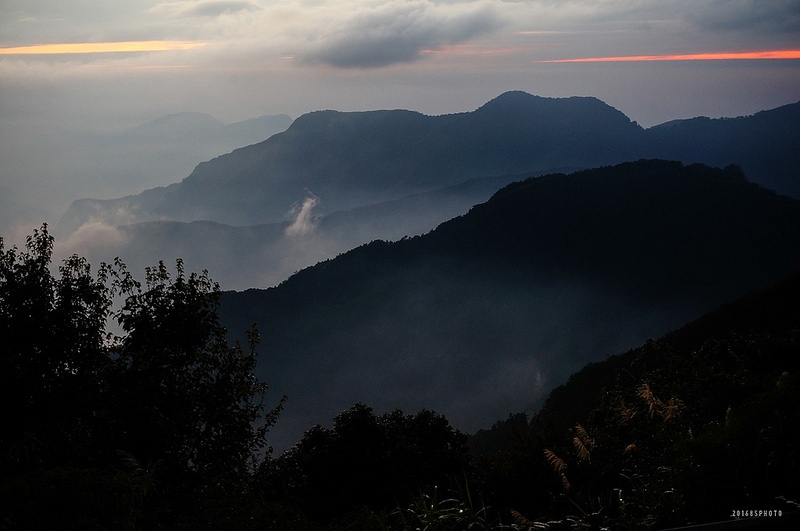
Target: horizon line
[
  {"x": 101, "y": 47},
  {"x": 706, "y": 56}
]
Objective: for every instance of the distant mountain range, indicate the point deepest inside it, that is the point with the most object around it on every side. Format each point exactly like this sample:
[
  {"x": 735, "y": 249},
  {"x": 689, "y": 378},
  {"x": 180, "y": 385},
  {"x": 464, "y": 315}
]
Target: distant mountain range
[
  {"x": 160, "y": 151},
  {"x": 242, "y": 257},
  {"x": 764, "y": 145},
  {"x": 387, "y": 174},
  {"x": 186, "y": 127},
  {"x": 353, "y": 159},
  {"x": 484, "y": 315},
  {"x": 112, "y": 162}
]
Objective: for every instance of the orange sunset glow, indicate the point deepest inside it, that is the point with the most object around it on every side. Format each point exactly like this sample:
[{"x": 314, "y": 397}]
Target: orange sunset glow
[
  {"x": 101, "y": 47},
  {"x": 712, "y": 56}
]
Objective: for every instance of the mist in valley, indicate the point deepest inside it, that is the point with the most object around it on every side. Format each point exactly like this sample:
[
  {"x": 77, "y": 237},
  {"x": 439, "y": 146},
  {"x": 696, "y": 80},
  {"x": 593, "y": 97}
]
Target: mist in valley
[
  {"x": 485, "y": 209},
  {"x": 473, "y": 352},
  {"x": 46, "y": 165}
]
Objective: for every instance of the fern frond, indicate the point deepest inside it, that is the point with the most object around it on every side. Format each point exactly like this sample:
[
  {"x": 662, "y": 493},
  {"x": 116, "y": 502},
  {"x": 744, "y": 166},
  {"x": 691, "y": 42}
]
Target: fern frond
[
  {"x": 625, "y": 413},
  {"x": 558, "y": 464},
  {"x": 629, "y": 449},
  {"x": 128, "y": 461},
  {"x": 584, "y": 436},
  {"x": 581, "y": 449},
  {"x": 519, "y": 519},
  {"x": 672, "y": 409},
  {"x": 654, "y": 405}
]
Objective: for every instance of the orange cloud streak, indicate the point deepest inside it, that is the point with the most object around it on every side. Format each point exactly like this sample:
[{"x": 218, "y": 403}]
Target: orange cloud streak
[
  {"x": 101, "y": 47},
  {"x": 714, "y": 56}
]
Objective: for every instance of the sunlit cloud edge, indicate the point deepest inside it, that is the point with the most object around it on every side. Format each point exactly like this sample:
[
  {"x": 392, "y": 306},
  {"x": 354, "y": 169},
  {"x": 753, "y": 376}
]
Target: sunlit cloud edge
[
  {"x": 711, "y": 56},
  {"x": 101, "y": 47}
]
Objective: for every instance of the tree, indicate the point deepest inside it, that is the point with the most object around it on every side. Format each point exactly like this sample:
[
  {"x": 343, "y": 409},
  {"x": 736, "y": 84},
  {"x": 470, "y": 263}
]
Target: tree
[
  {"x": 53, "y": 344},
  {"x": 187, "y": 399},
  {"x": 369, "y": 460},
  {"x": 93, "y": 419}
]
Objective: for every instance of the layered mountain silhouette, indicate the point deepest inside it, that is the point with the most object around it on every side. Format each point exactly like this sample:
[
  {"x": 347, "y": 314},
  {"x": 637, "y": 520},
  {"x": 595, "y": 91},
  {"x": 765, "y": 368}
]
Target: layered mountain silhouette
[
  {"x": 711, "y": 406},
  {"x": 487, "y": 313},
  {"x": 351, "y": 159},
  {"x": 764, "y": 145},
  {"x": 351, "y": 177},
  {"x": 186, "y": 128},
  {"x": 771, "y": 313},
  {"x": 160, "y": 151},
  {"x": 101, "y": 159},
  {"x": 242, "y": 257}
]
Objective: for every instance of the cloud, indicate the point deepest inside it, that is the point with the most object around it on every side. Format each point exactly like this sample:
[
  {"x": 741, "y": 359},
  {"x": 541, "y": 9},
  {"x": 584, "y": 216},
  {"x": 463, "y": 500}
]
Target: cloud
[
  {"x": 91, "y": 236},
  {"x": 713, "y": 56},
  {"x": 100, "y": 47},
  {"x": 370, "y": 34},
  {"x": 213, "y": 8},
  {"x": 398, "y": 32},
  {"x": 304, "y": 222},
  {"x": 753, "y": 15}
]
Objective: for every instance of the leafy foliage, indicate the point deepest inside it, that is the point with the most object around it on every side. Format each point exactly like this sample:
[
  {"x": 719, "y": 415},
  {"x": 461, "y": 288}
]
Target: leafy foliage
[
  {"x": 680, "y": 430},
  {"x": 53, "y": 345},
  {"x": 367, "y": 460},
  {"x": 148, "y": 425},
  {"x": 549, "y": 274},
  {"x": 164, "y": 426},
  {"x": 430, "y": 512}
]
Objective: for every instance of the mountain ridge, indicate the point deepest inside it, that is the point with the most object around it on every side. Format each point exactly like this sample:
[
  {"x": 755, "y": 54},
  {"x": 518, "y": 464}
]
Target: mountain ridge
[
  {"x": 487, "y": 312},
  {"x": 349, "y": 159},
  {"x": 352, "y": 159},
  {"x": 335, "y": 163},
  {"x": 709, "y": 409}
]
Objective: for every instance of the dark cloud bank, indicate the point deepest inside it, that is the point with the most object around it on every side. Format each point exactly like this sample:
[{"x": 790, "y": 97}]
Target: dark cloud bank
[{"x": 398, "y": 35}]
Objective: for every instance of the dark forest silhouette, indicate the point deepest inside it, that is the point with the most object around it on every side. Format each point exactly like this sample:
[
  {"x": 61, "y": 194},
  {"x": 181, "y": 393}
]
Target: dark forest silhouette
[{"x": 165, "y": 425}]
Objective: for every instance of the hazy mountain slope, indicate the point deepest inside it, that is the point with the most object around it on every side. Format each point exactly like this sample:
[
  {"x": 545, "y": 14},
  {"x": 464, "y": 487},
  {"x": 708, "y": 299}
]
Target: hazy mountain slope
[
  {"x": 485, "y": 314},
  {"x": 764, "y": 144},
  {"x": 353, "y": 166},
  {"x": 156, "y": 153},
  {"x": 708, "y": 414},
  {"x": 350, "y": 159},
  {"x": 770, "y": 312},
  {"x": 175, "y": 126},
  {"x": 357, "y": 158},
  {"x": 353, "y": 159},
  {"x": 241, "y": 257}
]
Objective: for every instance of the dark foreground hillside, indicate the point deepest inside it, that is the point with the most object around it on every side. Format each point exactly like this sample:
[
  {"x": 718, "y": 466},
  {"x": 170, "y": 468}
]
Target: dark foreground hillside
[
  {"x": 167, "y": 426},
  {"x": 699, "y": 426},
  {"x": 487, "y": 313}
]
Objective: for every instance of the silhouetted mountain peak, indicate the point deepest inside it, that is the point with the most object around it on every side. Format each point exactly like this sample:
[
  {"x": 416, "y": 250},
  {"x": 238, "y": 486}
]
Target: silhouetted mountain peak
[
  {"x": 328, "y": 122},
  {"x": 352, "y": 159},
  {"x": 510, "y": 298},
  {"x": 512, "y": 98},
  {"x": 571, "y": 110},
  {"x": 518, "y": 99}
]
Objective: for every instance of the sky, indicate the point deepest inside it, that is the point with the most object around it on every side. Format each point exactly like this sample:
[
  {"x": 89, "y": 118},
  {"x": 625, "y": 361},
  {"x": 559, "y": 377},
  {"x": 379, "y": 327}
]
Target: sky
[{"x": 104, "y": 65}]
